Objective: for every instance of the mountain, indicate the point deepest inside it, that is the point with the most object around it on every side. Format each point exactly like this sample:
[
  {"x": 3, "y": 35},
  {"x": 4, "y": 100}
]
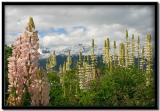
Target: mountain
[
  {"x": 86, "y": 50},
  {"x": 60, "y": 59},
  {"x": 62, "y": 54}
]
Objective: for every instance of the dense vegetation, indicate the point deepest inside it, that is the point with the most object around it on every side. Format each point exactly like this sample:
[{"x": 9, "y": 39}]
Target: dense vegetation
[{"x": 121, "y": 87}]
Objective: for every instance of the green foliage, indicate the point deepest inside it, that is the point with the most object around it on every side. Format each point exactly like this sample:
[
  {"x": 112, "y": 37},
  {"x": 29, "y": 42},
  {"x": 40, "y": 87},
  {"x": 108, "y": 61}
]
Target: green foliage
[
  {"x": 121, "y": 87},
  {"x": 7, "y": 53},
  {"x": 86, "y": 98},
  {"x": 71, "y": 86},
  {"x": 56, "y": 93},
  {"x": 26, "y": 98},
  {"x": 124, "y": 87}
]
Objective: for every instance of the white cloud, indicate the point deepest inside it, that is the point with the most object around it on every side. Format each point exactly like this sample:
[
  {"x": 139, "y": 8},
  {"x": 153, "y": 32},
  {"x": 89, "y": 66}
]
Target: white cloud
[
  {"x": 98, "y": 22},
  {"x": 113, "y": 32}
]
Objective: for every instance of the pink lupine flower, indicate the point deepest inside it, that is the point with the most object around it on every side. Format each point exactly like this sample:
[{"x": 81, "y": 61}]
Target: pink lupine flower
[
  {"x": 22, "y": 71},
  {"x": 39, "y": 90}
]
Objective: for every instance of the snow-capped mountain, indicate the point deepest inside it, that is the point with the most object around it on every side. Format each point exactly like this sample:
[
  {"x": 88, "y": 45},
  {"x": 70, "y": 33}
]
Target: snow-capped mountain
[{"x": 86, "y": 50}]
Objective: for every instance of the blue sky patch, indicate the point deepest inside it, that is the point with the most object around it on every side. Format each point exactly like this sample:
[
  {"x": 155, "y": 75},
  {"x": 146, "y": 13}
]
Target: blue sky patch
[{"x": 52, "y": 30}]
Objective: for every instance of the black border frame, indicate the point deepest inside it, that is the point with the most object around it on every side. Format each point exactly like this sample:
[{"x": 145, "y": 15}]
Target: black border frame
[{"x": 156, "y": 23}]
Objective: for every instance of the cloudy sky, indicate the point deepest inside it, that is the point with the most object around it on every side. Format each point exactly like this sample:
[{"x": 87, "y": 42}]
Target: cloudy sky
[{"x": 63, "y": 26}]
